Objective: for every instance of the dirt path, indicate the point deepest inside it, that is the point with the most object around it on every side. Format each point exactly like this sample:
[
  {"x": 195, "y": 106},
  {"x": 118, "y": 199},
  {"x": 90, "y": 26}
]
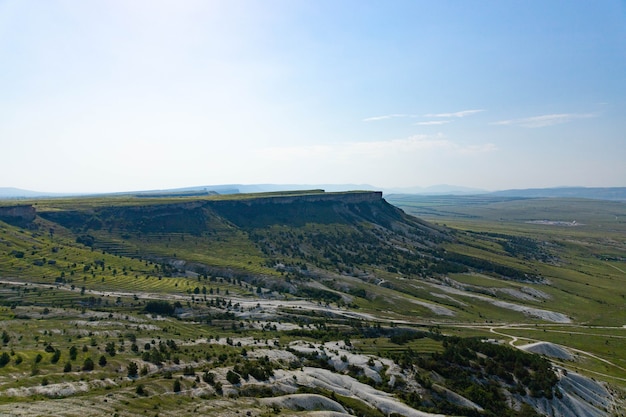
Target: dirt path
[
  {"x": 613, "y": 266},
  {"x": 513, "y": 338},
  {"x": 579, "y": 351}
]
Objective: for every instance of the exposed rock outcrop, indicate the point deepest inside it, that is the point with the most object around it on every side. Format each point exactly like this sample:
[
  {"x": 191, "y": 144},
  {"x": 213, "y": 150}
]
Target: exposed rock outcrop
[{"x": 20, "y": 215}]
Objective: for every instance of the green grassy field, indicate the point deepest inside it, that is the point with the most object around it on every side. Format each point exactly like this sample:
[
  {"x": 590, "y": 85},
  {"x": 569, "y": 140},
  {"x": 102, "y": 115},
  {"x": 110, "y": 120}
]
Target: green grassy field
[{"x": 586, "y": 274}]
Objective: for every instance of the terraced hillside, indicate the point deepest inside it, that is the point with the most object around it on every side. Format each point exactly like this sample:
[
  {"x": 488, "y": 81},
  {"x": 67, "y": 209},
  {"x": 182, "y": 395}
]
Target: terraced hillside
[{"x": 273, "y": 303}]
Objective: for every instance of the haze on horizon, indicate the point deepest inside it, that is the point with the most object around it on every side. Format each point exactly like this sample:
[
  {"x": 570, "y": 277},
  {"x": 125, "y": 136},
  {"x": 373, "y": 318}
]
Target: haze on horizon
[{"x": 106, "y": 96}]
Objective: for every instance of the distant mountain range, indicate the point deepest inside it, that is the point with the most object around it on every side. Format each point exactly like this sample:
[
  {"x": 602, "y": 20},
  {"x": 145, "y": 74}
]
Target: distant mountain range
[
  {"x": 10, "y": 192},
  {"x": 597, "y": 193}
]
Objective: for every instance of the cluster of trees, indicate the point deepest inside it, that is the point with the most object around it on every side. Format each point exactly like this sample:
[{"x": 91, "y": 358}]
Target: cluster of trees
[
  {"x": 156, "y": 354},
  {"x": 161, "y": 307},
  {"x": 479, "y": 371},
  {"x": 345, "y": 248},
  {"x": 260, "y": 369},
  {"x": 403, "y": 336},
  {"x": 318, "y": 294},
  {"x": 350, "y": 248},
  {"x": 518, "y": 246},
  {"x": 483, "y": 265}
]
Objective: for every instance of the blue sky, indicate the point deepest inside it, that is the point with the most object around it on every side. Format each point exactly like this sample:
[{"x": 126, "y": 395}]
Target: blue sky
[{"x": 125, "y": 95}]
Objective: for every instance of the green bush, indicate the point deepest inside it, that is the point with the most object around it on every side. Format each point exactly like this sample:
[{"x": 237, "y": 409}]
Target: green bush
[
  {"x": 233, "y": 377},
  {"x": 4, "y": 359},
  {"x": 88, "y": 365}
]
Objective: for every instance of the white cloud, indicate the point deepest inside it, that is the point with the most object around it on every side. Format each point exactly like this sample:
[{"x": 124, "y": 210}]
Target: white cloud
[
  {"x": 458, "y": 114},
  {"x": 462, "y": 113},
  {"x": 432, "y": 123},
  {"x": 385, "y": 117},
  {"x": 543, "y": 121}
]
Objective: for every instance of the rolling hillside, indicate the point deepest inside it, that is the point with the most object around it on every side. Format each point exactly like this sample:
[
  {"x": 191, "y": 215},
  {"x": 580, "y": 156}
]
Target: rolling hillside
[{"x": 311, "y": 269}]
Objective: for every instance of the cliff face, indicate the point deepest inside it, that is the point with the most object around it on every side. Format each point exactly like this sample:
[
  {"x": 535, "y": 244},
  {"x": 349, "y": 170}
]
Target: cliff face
[
  {"x": 199, "y": 216},
  {"x": 298, "y": 210},
  {"x": 20, "y": 215},
  {"x": 188, "y": 217},
  {"x": 343, "y": 198}
]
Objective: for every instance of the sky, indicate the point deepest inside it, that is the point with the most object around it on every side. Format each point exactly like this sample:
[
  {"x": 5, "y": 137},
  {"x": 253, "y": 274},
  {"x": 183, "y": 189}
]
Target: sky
[{"x": 107, "y": 95}]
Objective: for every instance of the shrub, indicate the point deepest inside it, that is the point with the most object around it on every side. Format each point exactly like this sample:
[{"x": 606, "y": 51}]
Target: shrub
[
  {"x": 132, "y": 370},
  {"x": 233, "y": 377},
  {"x": 209, "y": 378},
  {"x": 88, "y": 365},
  {"x": 4, "y": 359},
  {"x": 141, "y": 390},
  {"x": 73, "y": 353},
  {"x": 160, "y": 307},
  {"x": 110, "y": 348}
]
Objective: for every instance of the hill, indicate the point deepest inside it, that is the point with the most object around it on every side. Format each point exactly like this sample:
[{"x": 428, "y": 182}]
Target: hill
[
  {"x": 229, "y": 298},
  {"x": 596, "y": 193},
  {"x": 11, "y": 192},
  {"x": 353, "y": 233}
]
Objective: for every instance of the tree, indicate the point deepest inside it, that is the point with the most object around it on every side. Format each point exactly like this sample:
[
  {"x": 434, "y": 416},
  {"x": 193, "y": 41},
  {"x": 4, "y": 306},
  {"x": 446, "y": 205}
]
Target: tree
[
  {"x": 67, "y": 367},
  {"x": 218, "y": 387},
  {"x": 209, "y": 377},
  {"x": 160, "y": 307},
  {"x": 110, "y": 348},
  {"x": 141, "y": 390},
  {"x": 88, "y": 365},
  {"x": 132, "y": 370},
  {"x": 102, "y": 361},
  {"x": 176, "y": 387},
  {"x": 73, "y": 353},
  {"x": 153, "y": 356},
  {"x": 56, "y": 356},
  {"x": 233, "y": 377},
  {"x": 4, "y": 359}
]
